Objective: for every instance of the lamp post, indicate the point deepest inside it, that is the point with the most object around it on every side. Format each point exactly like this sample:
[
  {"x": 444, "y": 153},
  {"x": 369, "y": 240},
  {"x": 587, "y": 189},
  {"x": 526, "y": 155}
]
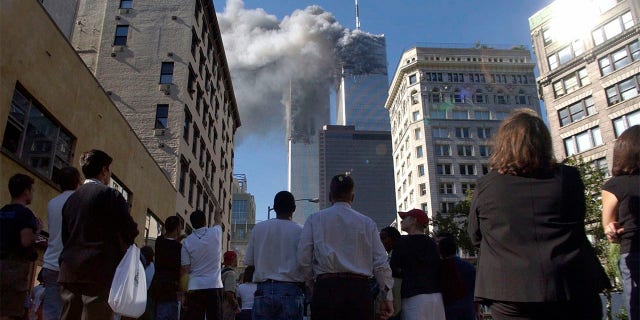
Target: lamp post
[{"x": 313, "y": 200}]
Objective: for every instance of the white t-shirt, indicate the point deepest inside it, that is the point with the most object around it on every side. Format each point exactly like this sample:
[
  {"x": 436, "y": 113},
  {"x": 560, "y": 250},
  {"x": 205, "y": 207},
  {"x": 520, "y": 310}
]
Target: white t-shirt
[
  {"x": 54, "y": 221},
  {"x": 272, "y": 249},
  {"x": 245, "y": 292},
  {"x": 202, "y": 250}
]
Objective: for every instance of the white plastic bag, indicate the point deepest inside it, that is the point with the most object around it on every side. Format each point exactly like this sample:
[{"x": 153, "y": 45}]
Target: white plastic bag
[{"x": 128, "y": 294}]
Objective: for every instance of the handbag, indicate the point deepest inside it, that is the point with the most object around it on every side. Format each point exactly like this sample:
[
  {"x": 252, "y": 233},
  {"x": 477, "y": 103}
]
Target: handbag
[{"x": 128, "y": 293}]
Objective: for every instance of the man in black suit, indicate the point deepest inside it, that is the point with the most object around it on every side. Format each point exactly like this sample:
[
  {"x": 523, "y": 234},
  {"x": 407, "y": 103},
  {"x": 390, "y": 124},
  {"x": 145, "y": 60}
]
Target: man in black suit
[{"x": 97, "y": 229}]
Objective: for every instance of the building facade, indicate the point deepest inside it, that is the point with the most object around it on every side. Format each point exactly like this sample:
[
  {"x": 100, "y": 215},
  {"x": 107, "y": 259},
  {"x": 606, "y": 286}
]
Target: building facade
[
  {"x": 589, "y": 79},
  {"x": 366, "y": 156},
  {"x": 164, "y": 67},
  {"x": 444, "y": 105},
  {"x": 243, "y": 216}
]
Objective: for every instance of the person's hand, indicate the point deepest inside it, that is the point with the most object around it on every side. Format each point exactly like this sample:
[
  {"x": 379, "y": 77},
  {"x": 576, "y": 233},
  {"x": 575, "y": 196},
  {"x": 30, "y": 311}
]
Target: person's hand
[
  {"x": 613, "y": 232},
  {"x": 386, "y": 309}
]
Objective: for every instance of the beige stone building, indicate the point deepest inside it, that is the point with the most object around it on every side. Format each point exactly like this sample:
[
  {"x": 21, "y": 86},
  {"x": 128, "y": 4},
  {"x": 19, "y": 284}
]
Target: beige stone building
[
  {"x": 444, "y": 105},
  {"x": 52, "y": 109},
  {"x": 164, "y": 66},
  {"x": 589, "y": 74}
]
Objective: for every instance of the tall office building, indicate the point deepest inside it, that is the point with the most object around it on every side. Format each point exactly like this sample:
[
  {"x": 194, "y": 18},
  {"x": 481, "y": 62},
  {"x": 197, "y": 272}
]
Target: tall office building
[
  {"x": 362, "y": 83},
  {"x": 307, "y": 110},
  {"x": 589, "y": 77},
  {"x": 366, "y": 156},
  {"x": 164, "y": 66},
  {"x": 243, "y": 216},
  {"x": 444, "y": 105}
]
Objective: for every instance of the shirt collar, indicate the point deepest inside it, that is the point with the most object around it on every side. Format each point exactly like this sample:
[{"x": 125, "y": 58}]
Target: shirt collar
[{"x": 342, "y": 204}]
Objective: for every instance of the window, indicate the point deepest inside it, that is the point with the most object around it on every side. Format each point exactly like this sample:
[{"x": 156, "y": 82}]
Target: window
[
  {"x": 460, "y": 115},
  {"x": 479, "y": 97},
  {"x": 613, "y": 28},
  {"x": 126, "y": 4},
  {"x": 194, "y": 42},
  {"x": 547, "y": 35},
  {"x": 187, "y": 124},
  {"x": 421, "y": 170},
  {"x": 467, "y": 187},
  {"x": 438, "y": 114},
  {"x": 192, "y": 184},
  {"x": 628, "y": 120},
  {"x": 162, "y": 115},
  {"x": 500, "y": 98},
  {"x": 443, "y": 168},
  {"x": 501, "y": 115},
  {"x": 467, "y": 169},
  {"x": 458, "y": 98},
  {"x": 417, "y": 133},
  {"x": 440, "y": 132},
  {"x": 571, "y": 82},
  {"x": 425, "y": 207},
  {"x": 416, "y": 115},
  {"x": 413, "y": 78},
  {"x": 485, "y": 169},
  {"x": 583, "y": 141},
  {"x": 166, "y": 73},
  {"x": 433, "y": 76},
  {"x": 446, "y": 188},
  {"x": 121, "y": 35},
  {"x": 623, "y": 90},
  {"x": 442, "y": 150},
  {"x": 184, "y": 169},
  {"x": 576, "y": 111},
  {"x": 483, "y": 150},
  {"x": 484, "y": 133},
  {"x": 36, "y": 138},
  {"x": 194, "y": 141},
  {"x": 620, "y": 58},
  {"x": 566, "y": 54},
  {"x": 482, "y": 115},
  {"x": 423, "y": 189},
  {"x": 447, "y": 206},
  {"x": 521, "y": 99},
  {"x": 465, "y": 151},
  {"x": 419, "y": 152},
  {"x": 462, "y": 133}
]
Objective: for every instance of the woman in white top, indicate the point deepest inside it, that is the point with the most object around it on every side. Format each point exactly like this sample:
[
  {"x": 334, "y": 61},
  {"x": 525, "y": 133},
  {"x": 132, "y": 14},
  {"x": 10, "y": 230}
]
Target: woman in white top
[{"x": 245, "y": 293}]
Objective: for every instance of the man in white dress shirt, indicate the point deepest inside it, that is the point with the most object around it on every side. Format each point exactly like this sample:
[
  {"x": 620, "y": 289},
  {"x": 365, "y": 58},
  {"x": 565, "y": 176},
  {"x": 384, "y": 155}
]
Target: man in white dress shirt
[
  {"x": 344, "y": 249},
  {"x": 201, "y": 262},
  {"x": 272, "y": 251}
]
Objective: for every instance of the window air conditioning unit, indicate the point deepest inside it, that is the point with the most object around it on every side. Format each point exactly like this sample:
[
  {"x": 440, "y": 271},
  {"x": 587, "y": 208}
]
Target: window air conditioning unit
[
  {"x": 124, "y": 10},
  {"x": 165, "y": 87},
  {"x": 158, "y": 132},
  {"x": 117, "y": 48}
]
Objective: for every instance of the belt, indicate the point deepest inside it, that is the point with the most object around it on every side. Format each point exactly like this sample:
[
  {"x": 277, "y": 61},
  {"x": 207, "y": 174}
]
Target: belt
[
  {"x": 278, "y": 281},
  {"x": 343, "y": 275}
]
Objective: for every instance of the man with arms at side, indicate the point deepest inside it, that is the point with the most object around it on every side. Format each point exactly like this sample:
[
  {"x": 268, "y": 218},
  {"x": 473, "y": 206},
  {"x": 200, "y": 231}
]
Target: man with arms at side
[
  {"x": 200, "y": 258},
  {"x": 229, "y": 277},
  {"x": 97, "y": 229},
  {"x": 52, "y": 303},
  {"x": 344, "y": 249},
  {"x": 165, "y": 284},
  {"x": 272, "y": 250},
  {"x": 17, "y": 235},
  {"x": 463, "y": 308}
]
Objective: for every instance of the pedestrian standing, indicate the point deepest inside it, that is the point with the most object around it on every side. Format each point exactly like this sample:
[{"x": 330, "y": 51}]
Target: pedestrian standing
[
  {"x": 52, "y": 304},
  {"x": 18, "y": 226},
  {"x": 272, "y": 251},
  {"x": 463, "y": 308},
  {"x": 344, "y": 249},
  {"x": 164, "y": 288},
  {"x": 97, "y": 229},
  {"x": 201, "y": 265},
  {"x": 229, "y": 276},
  {"x": 246, "y": 291}
]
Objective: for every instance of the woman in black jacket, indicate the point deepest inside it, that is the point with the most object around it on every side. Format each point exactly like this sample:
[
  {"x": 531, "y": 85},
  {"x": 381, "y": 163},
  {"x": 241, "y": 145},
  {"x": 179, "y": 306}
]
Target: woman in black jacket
[{"x": 527, "y": 218}]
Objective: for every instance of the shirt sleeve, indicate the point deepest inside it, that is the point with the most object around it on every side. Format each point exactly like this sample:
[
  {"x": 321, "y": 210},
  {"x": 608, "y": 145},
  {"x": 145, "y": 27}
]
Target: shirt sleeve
[
  {"x": 305, "y": 246},
  {"x": 185, "y": 260},
  {"x": 474, "y": 224}
]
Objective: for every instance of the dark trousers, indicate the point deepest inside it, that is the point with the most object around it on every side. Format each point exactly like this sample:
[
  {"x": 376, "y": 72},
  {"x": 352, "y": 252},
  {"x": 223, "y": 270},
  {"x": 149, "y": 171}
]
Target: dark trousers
[
  {"x": 201, "y": 303},
  {"x": 589, "y": 308},
  {"x": 85, "y": 302},
  {"x": 342, "y": 299}
]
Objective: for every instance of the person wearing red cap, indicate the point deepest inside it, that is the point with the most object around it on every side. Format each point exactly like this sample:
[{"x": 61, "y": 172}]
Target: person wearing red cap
[
  {"x": 416, "y": 261},
  {"x": 230, "y": 305}
]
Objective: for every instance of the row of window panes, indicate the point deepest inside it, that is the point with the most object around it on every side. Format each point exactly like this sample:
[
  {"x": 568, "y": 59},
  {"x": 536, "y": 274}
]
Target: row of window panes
[
  {"x": 620, "y": 58},
  {"x": 463, "y": 169},
  {"x": 566, "y": 54},
  {"x": 612, "y": 28},
  {"x": 472, "y": 77},
  {"x": 576, "y": 111},
  {"x": 571, "y": 82},
  {"x": 460, "y": 132},
  {"x": 462, "y": 150},
  {"x": 603, "y": 6},
  {"x": 464, "y": 115},
  {"x": 499, "y": 98},
  {"x": 583, "y": 141},
  {"x": 628, "y": 120},
  {"x": 35, "y": 137},
  {"x": 623, "y": 90},
  {"x": 449, "y": 187}
]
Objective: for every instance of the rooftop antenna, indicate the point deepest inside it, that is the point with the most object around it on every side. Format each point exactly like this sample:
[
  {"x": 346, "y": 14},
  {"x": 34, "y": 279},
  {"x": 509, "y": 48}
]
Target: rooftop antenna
[{"x": 357, "y": 16}]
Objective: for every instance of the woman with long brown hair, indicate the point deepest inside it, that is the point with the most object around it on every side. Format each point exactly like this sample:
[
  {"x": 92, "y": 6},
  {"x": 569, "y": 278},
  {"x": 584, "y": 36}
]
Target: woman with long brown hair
[
  {"x": 527, "y": 218},
  {"x": 621, "y": 213}
]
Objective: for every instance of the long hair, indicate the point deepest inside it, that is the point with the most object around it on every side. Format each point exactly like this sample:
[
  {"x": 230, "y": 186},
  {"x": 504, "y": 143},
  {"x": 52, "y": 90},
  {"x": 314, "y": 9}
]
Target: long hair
[
  {"x": 522, "y": 146},
  {"x": 626, "y": 153}
]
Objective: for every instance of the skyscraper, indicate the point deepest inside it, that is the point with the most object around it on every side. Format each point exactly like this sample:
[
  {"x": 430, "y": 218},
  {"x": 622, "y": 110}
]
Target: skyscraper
[
  {"x": 243, "y": 216},
  {"x": 590, "y": 76},
  {"x": 444, "y": 105}
]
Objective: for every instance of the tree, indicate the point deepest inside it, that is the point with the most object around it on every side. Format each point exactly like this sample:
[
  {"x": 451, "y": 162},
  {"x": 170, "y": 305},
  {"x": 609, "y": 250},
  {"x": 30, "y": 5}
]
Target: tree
[
  {"x": 455, "y": 222},
  {"x": 593, "y": 179}
]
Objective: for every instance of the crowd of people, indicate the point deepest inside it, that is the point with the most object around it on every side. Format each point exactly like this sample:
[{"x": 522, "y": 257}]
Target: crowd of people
[{"x": 527, "y": 219}]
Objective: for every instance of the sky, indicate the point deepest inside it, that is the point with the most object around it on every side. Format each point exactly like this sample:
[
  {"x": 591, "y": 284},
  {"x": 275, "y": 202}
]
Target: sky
[{"x": 262, "y": 37}]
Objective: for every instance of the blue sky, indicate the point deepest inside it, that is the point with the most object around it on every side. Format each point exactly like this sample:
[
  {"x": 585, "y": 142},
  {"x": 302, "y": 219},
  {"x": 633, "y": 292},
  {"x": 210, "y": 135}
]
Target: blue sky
[{"x": 405, "y": 23}]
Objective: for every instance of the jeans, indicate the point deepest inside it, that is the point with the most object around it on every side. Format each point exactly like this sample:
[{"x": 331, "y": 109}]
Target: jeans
[
  {"x": 52, "y": 304},
  {"x": 165, "y": 310},
  {"x": 278, "y": 301},
  {"x": 629, "y": 266}
]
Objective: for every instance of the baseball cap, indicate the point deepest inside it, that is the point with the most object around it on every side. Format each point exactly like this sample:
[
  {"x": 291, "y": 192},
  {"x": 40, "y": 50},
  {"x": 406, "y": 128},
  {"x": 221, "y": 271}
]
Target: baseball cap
[
  {"x": 229, "y": 255},
  {"x": 420, "y": 215}
]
